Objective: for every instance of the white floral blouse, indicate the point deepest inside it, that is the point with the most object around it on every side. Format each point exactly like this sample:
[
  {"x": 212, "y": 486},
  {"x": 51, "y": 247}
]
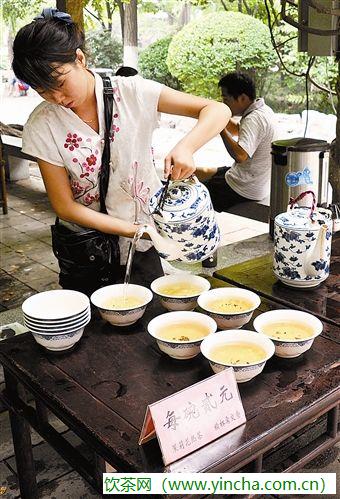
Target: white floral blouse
[{"x": 57, "y": 135}]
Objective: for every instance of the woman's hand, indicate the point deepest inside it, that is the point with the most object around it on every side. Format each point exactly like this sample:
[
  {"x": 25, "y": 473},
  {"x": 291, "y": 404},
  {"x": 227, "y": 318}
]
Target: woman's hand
[{"x": 179, "y": 163}]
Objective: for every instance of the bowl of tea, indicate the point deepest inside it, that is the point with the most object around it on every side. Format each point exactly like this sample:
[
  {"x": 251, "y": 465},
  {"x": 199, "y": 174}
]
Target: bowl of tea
[
  {"x": 245, "y": 351},
  {"x": 179, "y": 291},
  {"x": 121, "y": 304},
  {"x": 292, "y": 331},
  {"x": 180, "y": 334},
  {"x": 230, "y": 307}
]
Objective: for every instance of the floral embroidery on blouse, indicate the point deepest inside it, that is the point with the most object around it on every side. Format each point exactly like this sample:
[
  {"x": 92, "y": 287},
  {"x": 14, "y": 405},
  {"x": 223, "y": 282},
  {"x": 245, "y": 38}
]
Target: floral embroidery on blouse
[
  {"x": 116, "y": 94},
  {"x": 72, "y": 141},
  {"x": 137, "y": 190},
  {"x": 87, "y": 190},
  {"x": 114, "y": 128},
  {"x": 90, "y": 198}
]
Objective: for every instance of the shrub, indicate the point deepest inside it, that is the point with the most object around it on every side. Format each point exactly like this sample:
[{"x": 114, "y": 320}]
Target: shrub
[
  {"x": 152, "y": 63},
  {"x": 104, "y": 51},
  {"x": 216, "y": 44}
]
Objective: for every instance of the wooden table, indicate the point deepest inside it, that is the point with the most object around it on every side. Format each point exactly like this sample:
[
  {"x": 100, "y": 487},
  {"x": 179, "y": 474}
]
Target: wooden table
[
  {"x": 257, "y": 275},
  {"x": 101, "y": 389}
]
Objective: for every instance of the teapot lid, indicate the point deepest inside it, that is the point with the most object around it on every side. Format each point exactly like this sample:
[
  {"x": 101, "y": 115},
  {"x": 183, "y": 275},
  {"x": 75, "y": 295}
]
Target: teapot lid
[
  {"x": 184, "y": 200},
  {"x": 299, "y": 218}
]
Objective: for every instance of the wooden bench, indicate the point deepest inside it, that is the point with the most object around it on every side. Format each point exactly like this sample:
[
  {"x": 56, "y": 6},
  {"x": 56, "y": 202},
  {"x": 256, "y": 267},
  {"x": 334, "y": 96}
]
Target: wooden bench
[{"x": 9, "y": 146}]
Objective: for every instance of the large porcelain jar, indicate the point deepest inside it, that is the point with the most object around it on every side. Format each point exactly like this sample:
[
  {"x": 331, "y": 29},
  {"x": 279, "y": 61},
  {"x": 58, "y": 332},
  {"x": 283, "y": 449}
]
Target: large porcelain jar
[
  {"x": 302, "y": 246},
  {"x": 185, "y": 221}
]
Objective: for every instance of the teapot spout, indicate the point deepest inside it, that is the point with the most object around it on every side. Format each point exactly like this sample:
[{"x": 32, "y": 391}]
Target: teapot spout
[{"x": 165, "y": 247}]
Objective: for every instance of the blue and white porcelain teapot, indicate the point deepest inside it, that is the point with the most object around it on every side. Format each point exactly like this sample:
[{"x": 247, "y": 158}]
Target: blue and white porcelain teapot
[
  {"x": 302, "y": 244},
  {"x": 185, "y": 221}
]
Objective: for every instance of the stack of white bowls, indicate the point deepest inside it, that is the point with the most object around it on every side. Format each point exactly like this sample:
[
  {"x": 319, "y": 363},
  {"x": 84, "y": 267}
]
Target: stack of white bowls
[{"x": 57, "y": 318}]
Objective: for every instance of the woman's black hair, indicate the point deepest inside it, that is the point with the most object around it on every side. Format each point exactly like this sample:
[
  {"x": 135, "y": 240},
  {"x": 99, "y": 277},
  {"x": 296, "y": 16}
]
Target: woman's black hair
[{"x": 42, "y": 46}]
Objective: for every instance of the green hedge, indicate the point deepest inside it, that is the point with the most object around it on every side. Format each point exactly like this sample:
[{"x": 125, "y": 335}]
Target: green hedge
[
  {"x": 152, "y": 63},
  {"x": 206, "y": 49},
  {"x": 103, "y": 50}
]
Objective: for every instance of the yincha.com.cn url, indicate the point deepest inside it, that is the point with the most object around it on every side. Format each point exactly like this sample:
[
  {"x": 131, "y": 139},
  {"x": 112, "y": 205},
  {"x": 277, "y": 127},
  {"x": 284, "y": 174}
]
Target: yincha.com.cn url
[{"x": 216, "y": 483}]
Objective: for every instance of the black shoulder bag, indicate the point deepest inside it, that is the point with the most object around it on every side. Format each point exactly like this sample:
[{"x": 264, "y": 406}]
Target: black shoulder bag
[{"x": 89, "y": 259}]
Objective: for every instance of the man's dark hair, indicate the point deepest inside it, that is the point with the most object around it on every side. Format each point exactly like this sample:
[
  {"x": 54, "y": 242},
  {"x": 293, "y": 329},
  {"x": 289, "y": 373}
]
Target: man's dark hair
[
  {"x": 41, "y": 47},
  {"x": 126, "y": 71},
  {"x": 236, "y": 84}
]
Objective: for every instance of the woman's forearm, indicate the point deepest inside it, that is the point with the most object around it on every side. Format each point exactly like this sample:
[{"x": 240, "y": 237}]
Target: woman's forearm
[
  {"x": 211, "y": 120},
  {"x": 84, "y": 216},
  {"x": 61, "y": 197}
]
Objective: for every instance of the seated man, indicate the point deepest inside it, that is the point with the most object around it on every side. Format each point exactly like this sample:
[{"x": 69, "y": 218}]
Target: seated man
[{"x": 249, "y": 177}]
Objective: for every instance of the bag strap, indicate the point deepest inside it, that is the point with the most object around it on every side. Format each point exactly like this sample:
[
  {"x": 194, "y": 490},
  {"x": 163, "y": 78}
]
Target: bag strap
[{"x": 106, "y": 156}]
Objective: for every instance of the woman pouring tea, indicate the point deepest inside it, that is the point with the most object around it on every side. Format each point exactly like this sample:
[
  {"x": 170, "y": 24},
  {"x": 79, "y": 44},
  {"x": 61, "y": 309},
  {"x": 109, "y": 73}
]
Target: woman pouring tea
[{"x": 97, "y": 167}]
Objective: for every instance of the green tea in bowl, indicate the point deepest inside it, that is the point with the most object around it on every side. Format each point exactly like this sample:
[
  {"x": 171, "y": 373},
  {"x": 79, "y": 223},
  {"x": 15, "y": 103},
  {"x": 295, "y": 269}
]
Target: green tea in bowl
[
  {"x": 292, "y": 331},
  {"x": 179, "y": 292},
  {"x": 238, "y": 353},
  {"x": 230, "y": 307},
  {"x": 245, "y": 351}
]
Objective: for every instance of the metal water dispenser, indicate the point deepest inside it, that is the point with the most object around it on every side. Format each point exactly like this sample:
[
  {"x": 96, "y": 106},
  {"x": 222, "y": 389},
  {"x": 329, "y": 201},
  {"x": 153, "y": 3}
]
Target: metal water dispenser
[{"x": 298, "y": 165}]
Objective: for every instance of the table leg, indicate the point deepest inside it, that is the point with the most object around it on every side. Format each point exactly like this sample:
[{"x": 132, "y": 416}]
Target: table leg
[
  {"x": 332, "y": 421},
  {"x": 42, "y": 413},
  {"x": 257, "y": 463},
  {"x": 3, "y": 186},
  {"x": 21, "y": 435},
  {"x": 99, "y": 469}
]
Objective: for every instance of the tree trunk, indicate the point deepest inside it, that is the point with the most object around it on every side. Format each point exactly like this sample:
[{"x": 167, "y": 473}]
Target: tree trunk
[
  {"x": 74, "y": 8},
  {"x": 334, "y": 166},
  {"x": 109, "y": 15},
  {"x": 10, "y": 41},
  {"x": 130, "y": 34},
  {"x": 185, "y": 14},
  {"x": 121, "y": 4}
]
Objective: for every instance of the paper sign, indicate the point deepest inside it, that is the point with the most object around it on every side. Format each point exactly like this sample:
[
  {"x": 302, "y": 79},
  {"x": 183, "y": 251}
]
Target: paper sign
[{"x": 195, "y": 416}]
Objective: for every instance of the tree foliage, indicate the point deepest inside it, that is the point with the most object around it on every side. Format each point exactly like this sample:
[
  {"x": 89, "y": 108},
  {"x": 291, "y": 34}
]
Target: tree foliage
[
  {"x": 16, "y": 10},
  {"x": 103, "y": 50},
  {"x": 293, "y": 98},
  {"x": 218, "y": 43},
  {"x": 152, "y": 63}
]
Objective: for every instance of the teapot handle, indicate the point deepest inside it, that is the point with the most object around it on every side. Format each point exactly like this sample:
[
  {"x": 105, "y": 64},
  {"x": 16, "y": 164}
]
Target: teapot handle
[
  {"x": 293, "y": 201},
  {"x": 190, "y": 180}
]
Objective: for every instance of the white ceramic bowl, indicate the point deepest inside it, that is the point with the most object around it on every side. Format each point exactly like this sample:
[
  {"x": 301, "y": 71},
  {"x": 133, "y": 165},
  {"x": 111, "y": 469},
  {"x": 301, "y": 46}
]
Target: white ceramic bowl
[
  {"x": 57, "y": 304},
  {"x": 59, "y": 342},
  {"x": 57, "y": 330},
  {"x": 124, "y": 316},
  {"x": 291, "y": 348},
  {"x": 180, "y": 349},
  {"x": 228, "y": 320},
  {"x": 188, "y": 302},
  {"x": 58, "y": 322},
  {"x": 244, "y": 372}
]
